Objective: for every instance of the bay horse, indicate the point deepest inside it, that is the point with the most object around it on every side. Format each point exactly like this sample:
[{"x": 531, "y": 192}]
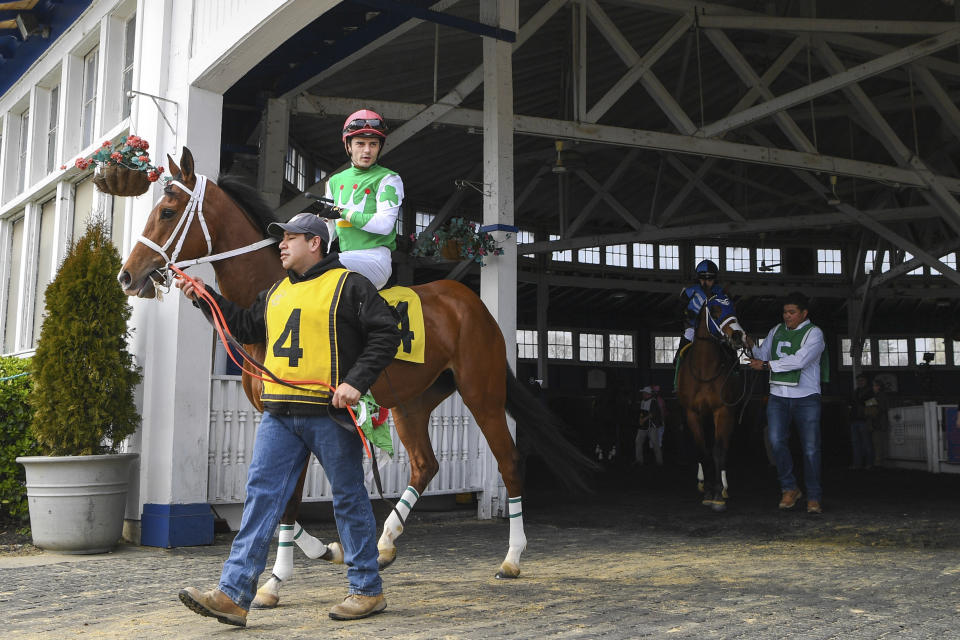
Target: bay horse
[
  {"x": 465, "y": 352},
  {"x": 707, "y": 392}
]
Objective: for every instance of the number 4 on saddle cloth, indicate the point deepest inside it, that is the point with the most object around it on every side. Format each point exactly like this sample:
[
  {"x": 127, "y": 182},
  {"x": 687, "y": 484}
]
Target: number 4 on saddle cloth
[{"x": 412, "y": 338}]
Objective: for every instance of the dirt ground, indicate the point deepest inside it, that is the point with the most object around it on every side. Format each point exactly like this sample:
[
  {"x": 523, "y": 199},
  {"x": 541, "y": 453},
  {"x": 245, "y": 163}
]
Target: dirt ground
[{"x": 639, "y": 559}]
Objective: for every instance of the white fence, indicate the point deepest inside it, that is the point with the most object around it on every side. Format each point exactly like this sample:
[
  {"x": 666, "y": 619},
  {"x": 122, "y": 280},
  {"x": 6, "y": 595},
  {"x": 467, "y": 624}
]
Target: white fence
[
  {"x": 457, "y": 443},
  {"x": 916, "y": 438}
]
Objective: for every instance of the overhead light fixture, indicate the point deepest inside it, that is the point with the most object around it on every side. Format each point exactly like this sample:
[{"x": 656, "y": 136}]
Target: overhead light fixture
[
  {"x": 28, "y": 25},
  {"x": 835, "y": 199}
]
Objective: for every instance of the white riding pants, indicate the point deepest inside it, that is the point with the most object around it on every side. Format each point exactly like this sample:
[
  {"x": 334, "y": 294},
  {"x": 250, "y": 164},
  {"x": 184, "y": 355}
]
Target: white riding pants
[{"x": 374, "y": 264}]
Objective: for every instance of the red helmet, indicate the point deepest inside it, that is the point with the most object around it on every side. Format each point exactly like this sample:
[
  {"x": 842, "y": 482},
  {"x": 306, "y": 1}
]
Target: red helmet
[{"x": 366, "y": 124}]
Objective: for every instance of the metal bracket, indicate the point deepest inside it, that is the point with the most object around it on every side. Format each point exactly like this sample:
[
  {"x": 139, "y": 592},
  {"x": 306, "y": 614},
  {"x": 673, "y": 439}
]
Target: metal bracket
[{"x": 133, "y": 92}]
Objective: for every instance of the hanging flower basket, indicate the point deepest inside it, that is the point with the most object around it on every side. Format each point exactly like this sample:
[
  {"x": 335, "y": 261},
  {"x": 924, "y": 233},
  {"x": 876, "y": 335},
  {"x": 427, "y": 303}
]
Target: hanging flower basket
[
  {"x": 124, "y": 169},
  {"x": 121, "y": 181},
  {"x": 458, "y": 240}
]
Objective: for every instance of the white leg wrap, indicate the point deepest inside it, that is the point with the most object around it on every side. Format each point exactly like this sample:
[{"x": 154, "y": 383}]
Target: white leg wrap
[
  {"x": 283, "y": 567},
  {"x": 392, "y": 528},
  {"x": 699, "y": 472},
  {"x": 518, "y": 539},
  {"x": 723, "y": 478},
  {"x": 311, "y": 546}
]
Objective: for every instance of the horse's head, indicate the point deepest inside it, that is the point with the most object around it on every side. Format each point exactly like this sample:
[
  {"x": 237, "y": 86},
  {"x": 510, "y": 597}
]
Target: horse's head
[
  {"x": 170, "y": 233},
  {"x": 721, "y": 320}
]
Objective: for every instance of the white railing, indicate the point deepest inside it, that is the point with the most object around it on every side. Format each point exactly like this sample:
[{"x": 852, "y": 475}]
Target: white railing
[{"x": 456, "y": 439}]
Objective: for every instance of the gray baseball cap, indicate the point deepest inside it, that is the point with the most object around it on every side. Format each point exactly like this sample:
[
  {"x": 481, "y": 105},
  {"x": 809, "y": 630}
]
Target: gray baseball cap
[{"x": 304, "y": 222}]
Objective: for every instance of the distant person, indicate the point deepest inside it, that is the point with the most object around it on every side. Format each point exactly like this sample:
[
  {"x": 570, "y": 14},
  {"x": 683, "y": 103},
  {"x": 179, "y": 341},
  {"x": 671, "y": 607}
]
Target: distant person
[
  {"x": 650, "y": 427},
  {"x": 861, "y": 442},
  {"x": 875, "y": 410},
  {"x": 794, "y": 354}
]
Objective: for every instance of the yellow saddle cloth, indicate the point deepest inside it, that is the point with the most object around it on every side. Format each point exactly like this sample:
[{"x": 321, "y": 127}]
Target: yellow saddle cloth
[{"x": 412, "y": 338}]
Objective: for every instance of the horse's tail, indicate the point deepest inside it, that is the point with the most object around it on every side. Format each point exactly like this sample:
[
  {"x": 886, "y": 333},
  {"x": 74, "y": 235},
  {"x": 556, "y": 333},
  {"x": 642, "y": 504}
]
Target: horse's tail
[{"x": 545, "y": 434}]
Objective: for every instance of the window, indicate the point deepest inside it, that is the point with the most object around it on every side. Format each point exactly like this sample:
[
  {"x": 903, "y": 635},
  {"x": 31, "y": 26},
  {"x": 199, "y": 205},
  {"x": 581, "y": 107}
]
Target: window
[
  {"x": 642, "y": 255},
  {"x": 48, "y": 213},
  {"x": 82, "y": 208},
  {"x": 866, "y": 358},
  {"x": 54, "y": 112},
  {"x": 907, "y": 256},
  {"x": 669, "y": 256},
  {"x": 88, "y": 112},
  {"x": 892, "y": 352},
  {"x": 423, "y": 221},
  {"x": 13, "y": 288},
  {"x": 738, "y": 259},
  {"x": 950, "y": 260},
  {"x": 926, "y": 348},
  {"x": 591, "y": 347},
  {"x": 617, "y": 255},
  {"x": 589, "y": 255},
  {"x": 768, "y": 260},
  {"x": 525, "y": 237},
  {"x": 870, "y": 259},
  {"x": 705, "y": 252},
  {"x": 560, "y": 345},
  {"x": 129, "y": 41},
  {"x": 560, "y": 256},
  {"x": 956, "y": 353},
  {"x": 828, "y": 261},
  {"x": 526, "y": 343},
  {"x": 664, "y": 348},
  {"x": 621, "y": 347},
  {"x": 22, "y": 151},
  {"x": 295, "y": 169}
]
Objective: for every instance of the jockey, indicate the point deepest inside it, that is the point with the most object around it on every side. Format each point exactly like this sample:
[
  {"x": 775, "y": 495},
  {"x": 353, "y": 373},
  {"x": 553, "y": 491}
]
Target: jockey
[
  {"x": 695, "y": 296},
  {"x": 369, "y": 196}
]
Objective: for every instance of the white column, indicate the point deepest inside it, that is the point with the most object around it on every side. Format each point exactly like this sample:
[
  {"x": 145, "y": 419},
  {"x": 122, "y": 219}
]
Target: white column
[
  {"x": 275, "y": 140},
  {"x": 498, "y": 279}
]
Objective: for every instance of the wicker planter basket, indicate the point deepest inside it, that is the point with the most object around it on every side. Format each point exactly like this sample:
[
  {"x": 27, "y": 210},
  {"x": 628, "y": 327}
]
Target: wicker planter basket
[
  {"x": 450, "y": 250},
  {"x": 121, "y": 181}
]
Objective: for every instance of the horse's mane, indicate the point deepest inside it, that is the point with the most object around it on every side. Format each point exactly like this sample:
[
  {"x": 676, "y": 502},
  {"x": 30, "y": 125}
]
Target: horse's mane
[{"x": 248, "y": 199}]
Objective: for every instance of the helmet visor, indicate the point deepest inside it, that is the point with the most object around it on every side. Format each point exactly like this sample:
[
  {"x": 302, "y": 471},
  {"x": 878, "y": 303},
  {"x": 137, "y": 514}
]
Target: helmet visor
[{"x": 365, "y": 123}]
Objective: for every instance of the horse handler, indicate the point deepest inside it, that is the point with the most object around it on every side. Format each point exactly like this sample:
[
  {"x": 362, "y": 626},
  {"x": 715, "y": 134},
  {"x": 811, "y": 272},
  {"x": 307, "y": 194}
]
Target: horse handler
[{"x": 294, "y": 318}]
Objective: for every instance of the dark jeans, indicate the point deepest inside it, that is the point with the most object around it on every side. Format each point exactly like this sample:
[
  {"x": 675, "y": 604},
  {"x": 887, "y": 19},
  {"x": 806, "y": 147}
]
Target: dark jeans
[
  {"x": 861, "y": 441},
  {"x": 805, "y": 414}
]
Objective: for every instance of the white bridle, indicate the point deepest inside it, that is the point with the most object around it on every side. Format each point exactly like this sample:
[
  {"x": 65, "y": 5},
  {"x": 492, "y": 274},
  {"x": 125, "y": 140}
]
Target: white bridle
[{"x": 194, "y": 209}]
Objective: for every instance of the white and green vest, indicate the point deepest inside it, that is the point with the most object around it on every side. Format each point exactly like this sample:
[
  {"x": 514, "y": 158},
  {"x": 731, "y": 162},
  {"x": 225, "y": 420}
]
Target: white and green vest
[
  {"x": 787, "y": 343},
  {"x": 358, "y": 191}
]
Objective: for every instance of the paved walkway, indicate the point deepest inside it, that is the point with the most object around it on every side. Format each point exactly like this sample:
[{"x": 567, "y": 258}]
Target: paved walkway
[{"x": 636, "y": 564}]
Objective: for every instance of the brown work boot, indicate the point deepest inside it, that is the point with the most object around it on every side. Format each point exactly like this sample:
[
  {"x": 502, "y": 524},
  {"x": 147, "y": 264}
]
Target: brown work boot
[
  {"x": 789, "y": 498},
  {"x": 813, "y": 506},
  {"x": 355, "y": 606},
  {"x": 215, "y": 604}
]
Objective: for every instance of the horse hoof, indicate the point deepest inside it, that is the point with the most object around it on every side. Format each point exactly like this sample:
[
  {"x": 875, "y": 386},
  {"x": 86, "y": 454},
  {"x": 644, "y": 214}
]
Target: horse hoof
[
  {"x": 386, "y": 557},
  {"x": 508, "y": 571},
  {"x": 700, "y": 487},
  {"x": 265, "y": 600},
  {"x": 718, "y": 505},
  {"x": 333, "y": 554},
  {"x": 725, "y": 494}
]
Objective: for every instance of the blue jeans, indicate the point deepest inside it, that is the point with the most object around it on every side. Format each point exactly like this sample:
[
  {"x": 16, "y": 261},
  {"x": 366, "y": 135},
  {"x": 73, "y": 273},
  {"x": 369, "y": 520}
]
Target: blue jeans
[
  {"x": 861, "y": 442},
  {"x": 282, "y": 446},
  {"x": 805, "y": 413}
]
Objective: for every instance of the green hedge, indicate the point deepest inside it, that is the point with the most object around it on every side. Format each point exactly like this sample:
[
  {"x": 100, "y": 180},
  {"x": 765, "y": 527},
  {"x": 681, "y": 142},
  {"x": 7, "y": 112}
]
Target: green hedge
[{"x": 15, "y": 440}]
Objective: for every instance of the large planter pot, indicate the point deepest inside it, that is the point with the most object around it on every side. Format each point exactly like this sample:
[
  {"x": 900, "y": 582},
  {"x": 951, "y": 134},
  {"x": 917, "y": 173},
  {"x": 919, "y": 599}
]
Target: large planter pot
[{"x": 77, "y": 503}]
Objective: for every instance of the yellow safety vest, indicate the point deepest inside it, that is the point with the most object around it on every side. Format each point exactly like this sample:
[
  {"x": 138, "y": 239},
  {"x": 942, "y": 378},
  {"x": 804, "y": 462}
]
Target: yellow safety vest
[{"x": 301, "y": 323}]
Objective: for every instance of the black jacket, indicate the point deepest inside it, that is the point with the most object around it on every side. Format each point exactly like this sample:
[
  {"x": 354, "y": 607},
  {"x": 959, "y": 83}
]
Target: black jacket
[{"x": 367, "y": 335}]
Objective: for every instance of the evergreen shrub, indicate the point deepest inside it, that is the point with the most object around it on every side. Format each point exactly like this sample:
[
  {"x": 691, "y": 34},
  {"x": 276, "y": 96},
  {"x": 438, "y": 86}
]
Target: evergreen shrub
[
  {"x": 84, "y": 377},
  {"x": 15, "y": 439}
]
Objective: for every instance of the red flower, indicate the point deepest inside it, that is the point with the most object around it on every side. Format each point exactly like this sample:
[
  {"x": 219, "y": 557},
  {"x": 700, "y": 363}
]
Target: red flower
[
  {"x": 144, "y": 158},
  {"x": 153, "y": 176},
  {"x": 116, "y": 155},
  {"x": 107, "y": 143},
  {"x": 160, "y": 170},
  {"x": 143, "y": 144},
  {"x": 62, "y": 167}
]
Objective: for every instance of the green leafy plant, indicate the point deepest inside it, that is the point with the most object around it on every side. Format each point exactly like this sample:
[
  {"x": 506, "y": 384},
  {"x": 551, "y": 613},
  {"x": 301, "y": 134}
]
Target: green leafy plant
[
  {"x": 84, "y": 377},
  {"x": 15, "y": 439},
  {"x": 458, "y": 239}
]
